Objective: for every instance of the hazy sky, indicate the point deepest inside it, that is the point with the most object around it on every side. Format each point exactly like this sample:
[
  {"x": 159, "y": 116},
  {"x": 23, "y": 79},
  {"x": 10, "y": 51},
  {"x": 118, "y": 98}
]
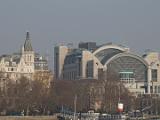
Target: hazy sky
[{"x": 135, "y": 23}]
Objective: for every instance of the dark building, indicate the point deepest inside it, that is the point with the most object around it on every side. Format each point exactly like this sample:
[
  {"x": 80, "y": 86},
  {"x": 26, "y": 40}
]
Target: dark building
[{"x": 91, "y": 46}]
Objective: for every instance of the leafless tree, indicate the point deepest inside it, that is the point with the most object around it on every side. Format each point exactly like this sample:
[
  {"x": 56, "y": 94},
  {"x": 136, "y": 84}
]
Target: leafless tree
[{"x": 115, "y": 92}]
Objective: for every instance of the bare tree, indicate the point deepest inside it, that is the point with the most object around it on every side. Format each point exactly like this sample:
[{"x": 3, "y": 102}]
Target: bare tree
[
  {"x": 65, "y": 91},
  {"x": 115, "y": 92}
]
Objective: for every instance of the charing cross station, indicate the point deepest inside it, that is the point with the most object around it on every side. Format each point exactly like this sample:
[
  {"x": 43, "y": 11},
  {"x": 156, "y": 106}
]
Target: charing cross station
[{"x": 140, "y": 74}]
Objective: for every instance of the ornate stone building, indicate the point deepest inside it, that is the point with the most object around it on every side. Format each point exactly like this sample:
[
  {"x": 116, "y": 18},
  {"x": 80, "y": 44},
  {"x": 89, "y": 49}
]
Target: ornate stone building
[{"x": 24, "y": 63}]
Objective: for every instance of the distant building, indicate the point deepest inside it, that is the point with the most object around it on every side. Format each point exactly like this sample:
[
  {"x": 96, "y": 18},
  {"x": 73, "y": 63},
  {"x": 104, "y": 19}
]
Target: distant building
[
  {"x": 140, "y": 74},
  {"x": 91, "y": 46},
  {"x": 25, "y": 63},
  {"x": 40, "y": 63}
]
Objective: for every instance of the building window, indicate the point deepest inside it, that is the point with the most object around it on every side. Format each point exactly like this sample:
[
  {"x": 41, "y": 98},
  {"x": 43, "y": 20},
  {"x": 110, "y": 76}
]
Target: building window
[
  {"x": 155, "y": 89},
  {"x": 89, "y": 70},
  {"x": 154, "y": 74},
  {"x": 30, "y": 58},
  {"x": 127, "y": 76},
  {"x": 158, "y": 89}
]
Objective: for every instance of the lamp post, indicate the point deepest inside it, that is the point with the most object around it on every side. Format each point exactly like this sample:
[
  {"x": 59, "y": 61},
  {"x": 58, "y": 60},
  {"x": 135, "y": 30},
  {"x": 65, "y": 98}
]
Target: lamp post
[
  {"x": 75, "y": 103},
  {"x": 142, "y": 106},
  {"x": 28, "y": 105}
]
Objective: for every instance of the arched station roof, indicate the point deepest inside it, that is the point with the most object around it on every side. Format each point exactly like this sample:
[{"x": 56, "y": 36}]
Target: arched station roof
[
  {"x": 128, "y": 55},
  {"x": 109, "y": 46},
  {"x": 107, "y": 51}
]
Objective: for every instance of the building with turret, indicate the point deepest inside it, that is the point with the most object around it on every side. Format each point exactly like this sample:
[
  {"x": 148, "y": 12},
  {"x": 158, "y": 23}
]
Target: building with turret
[{"x": 24, "y": 63}]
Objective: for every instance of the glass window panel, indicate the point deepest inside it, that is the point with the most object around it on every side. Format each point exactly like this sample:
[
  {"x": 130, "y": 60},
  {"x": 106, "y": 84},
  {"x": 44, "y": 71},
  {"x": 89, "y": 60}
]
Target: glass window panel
[{"x": 154, "y": 74}]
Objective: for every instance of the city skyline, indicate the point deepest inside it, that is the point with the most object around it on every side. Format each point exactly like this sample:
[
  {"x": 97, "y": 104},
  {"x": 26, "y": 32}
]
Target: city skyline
[
  {"x": 131, "y": 23},
  {"x": 87, "y": 57}
]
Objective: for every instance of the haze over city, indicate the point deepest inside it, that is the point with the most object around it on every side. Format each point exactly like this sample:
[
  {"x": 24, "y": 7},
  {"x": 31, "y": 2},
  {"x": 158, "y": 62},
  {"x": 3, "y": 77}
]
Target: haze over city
[
  {"x": 80, "y": 59},
  {"x": 50, "y": 22}
]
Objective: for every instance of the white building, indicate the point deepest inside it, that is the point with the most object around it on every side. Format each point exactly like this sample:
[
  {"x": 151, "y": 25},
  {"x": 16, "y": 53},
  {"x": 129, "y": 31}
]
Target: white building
[{"x": 23, "y": 63}]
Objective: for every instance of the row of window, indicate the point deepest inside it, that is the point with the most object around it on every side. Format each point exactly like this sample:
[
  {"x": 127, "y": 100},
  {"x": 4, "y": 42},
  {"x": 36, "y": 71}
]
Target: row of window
[
  {"x": 70, "y": 75},
  {"x": 89, "y": 70},
  {"x": 154, "y": 74},
  {"x": 12, "y": 69},
  {"x": 28, "y": 58},
  {"x": 157, "y": 89},
  {"x": 131, "y": 76},
  {"x": 40, "y": 64},
  {"x": 128, "y": 80},
  {"x": 29, "y": 64},
  {"x": 15, "y": 69},
  {"x": 26, "y": 70},
  {"x": 13, "y": 63}
]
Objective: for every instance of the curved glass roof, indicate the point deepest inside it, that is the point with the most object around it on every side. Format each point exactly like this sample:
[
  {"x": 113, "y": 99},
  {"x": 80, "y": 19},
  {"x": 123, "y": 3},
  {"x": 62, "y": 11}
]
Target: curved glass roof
[
  {"x": 128, "y": 63},
  {"x": 106, "y": 54}
]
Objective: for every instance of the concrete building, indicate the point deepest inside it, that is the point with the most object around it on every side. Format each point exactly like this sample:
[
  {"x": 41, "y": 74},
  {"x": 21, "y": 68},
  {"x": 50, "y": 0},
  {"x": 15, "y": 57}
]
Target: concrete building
[
  {"x": 60, "y": 53},
  {"x": 140, "y": 74}
]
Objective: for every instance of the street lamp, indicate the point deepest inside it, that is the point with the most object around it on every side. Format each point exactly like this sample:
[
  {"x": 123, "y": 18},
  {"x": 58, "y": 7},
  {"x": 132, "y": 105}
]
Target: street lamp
[
  {"x": 28, "y": 105},
  {"x": 75, "y": 103}
]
